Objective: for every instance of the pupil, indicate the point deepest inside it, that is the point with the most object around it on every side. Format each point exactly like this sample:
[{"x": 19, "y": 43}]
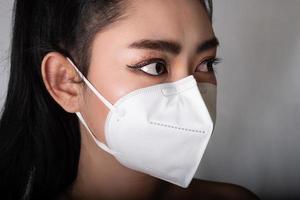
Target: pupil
[
  {"x": 159, "y": 68},
  {"x": 210, "y": 67}
]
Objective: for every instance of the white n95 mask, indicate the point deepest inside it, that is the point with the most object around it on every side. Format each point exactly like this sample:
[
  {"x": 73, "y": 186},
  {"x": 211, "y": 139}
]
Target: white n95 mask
[{"x": 160, "y": 130}]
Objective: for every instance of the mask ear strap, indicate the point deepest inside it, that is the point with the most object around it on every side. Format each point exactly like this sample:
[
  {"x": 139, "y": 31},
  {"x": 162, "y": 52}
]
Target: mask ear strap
[
  {"x": 99, "y": 144},
  {"x": 94, "y": 90},
  {"x": 106, "y": 103}
]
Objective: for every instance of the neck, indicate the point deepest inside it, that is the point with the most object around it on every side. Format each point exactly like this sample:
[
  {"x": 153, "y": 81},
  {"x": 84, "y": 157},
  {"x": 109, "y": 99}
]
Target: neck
[{"x": 101, "y": 176}]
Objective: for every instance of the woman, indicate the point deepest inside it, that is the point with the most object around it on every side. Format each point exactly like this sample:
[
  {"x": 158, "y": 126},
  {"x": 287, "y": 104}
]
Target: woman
[{"x": 75, "y": 58}]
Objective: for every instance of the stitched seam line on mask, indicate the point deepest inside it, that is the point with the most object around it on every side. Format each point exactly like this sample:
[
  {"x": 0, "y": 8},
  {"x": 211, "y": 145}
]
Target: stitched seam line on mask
[{"x": 176, "y": 127}]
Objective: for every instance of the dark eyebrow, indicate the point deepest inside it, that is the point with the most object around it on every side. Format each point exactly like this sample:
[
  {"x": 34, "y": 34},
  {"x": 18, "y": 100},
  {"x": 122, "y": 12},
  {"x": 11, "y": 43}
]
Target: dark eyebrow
[{"x": 173, "y": 46}]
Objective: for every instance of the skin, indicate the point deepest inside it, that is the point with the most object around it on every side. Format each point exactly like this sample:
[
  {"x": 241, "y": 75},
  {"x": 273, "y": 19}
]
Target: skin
[{"x": 100, "y": 175}]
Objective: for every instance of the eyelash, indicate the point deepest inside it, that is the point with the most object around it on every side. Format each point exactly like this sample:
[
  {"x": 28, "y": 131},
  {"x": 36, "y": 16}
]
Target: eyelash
[{"x": 210, "y": 62}]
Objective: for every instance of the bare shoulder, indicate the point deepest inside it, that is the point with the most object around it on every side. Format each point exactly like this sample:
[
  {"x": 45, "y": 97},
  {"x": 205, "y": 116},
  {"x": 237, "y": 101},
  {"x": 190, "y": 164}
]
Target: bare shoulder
[{"x": 209, "y": 190}]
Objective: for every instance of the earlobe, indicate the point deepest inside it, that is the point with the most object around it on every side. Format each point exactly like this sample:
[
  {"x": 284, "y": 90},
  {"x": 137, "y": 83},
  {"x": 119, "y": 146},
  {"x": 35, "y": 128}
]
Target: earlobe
[{"x": 61, "y": 81}]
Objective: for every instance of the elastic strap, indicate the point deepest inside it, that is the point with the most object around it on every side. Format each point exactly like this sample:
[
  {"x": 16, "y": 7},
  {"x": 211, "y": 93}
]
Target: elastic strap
[
  {"x": 99, "y": 144},
  {"x": 94, "y": 90}
]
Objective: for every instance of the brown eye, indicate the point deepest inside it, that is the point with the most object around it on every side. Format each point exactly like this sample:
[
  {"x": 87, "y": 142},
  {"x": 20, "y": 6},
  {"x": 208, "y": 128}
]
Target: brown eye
[
  {"x": 208, "y": 65},
  {"x": 154, "y": 69}
]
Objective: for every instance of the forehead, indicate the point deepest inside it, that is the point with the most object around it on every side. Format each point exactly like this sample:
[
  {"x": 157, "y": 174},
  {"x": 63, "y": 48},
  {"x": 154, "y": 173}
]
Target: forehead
[
  {"x": 183, "y": 21},
  {"x": 172, "y": 19}
]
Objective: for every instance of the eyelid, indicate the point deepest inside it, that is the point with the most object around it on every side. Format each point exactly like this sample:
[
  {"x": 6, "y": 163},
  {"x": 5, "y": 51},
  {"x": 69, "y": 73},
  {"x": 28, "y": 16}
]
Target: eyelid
[
  {"x": 147, "y": 62},
  {"x": 214, "y": 59}
]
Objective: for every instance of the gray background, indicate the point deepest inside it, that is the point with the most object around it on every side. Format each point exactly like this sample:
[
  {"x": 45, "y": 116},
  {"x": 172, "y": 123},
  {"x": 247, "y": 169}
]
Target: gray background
[{"x": 255, "y": 143}]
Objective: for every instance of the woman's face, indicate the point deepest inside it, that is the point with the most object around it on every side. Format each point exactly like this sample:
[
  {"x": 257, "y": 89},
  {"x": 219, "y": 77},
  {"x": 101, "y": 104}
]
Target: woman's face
[{"x": 165, "y": 41}]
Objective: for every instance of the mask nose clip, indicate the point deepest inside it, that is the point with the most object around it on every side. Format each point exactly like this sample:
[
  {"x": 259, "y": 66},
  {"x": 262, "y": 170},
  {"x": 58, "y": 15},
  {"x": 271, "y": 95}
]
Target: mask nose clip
[{"x": 179, "y": 86}]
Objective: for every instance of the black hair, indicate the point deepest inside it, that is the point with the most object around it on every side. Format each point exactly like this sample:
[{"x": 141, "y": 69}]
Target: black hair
[{"x": 39, "y": 141}]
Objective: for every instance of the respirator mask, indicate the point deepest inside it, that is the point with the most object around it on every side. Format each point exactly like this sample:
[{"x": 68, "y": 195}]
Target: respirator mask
[{"x": 161, "y": 130}]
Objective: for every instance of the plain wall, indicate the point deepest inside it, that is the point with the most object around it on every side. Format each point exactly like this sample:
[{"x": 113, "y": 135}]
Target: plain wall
[
  {"x": 255, "y": 143},
  {"x": 5, "y": 27}
]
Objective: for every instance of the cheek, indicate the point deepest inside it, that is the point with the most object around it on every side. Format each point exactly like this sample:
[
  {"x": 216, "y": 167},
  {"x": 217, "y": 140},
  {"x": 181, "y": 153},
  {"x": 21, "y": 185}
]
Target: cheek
[
  {"x": 94, "y": 112},
  {"x": 112, "y": 85},
  {"x": 113, "y": 80}
]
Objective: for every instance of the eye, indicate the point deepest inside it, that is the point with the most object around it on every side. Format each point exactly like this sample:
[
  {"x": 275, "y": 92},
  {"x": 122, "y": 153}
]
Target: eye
[
  {"x": 208, "y": 65},
  {"x": 153, "y": 67}
]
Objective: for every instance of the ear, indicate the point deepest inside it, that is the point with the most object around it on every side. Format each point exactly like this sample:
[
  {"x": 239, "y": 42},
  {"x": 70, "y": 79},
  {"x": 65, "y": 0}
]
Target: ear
[{"x": 62, "y": 81}]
